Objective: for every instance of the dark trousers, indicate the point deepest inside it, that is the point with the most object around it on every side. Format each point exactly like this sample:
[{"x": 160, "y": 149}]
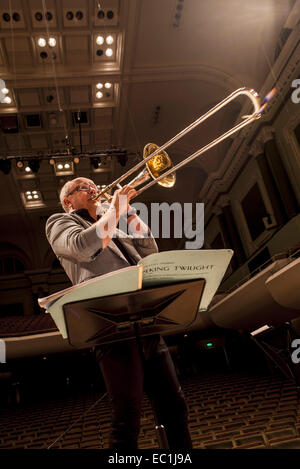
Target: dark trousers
[{"x": 126, "y": 375}]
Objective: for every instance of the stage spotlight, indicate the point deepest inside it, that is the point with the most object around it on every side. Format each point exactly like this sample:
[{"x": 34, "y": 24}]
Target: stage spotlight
[
  {"x": 5, "y": 166},
  {"x": 95, "y": 162},
  {"x": 34, "y": 165},
  {"x": 122, "y": 158}
]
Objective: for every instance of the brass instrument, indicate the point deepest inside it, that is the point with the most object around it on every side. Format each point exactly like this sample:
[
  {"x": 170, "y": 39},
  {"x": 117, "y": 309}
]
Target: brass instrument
[{"x": 159, "y": 166}]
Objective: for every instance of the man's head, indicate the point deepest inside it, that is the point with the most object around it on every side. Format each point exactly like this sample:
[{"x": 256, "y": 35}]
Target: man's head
[{"x": 78, "y": 194}]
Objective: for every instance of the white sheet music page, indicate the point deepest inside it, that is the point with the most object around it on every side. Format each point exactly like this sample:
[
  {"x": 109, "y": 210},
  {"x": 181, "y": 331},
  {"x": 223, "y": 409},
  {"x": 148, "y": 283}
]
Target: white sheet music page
[{"x": 179, "y": 266}]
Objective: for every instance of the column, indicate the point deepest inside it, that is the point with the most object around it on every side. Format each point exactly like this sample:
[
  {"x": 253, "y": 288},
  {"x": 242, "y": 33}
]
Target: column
[
  {"x": 233, "y": 234},
  {"x": 281, "y": 179}
]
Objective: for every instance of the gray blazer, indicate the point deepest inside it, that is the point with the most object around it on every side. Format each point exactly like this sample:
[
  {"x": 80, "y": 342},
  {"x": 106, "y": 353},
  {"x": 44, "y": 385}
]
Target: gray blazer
[{"x": 78, "y": 247}]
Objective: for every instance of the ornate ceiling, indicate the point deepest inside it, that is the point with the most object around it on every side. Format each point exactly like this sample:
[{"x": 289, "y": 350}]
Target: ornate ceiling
[{"x": 170, "y": 61}]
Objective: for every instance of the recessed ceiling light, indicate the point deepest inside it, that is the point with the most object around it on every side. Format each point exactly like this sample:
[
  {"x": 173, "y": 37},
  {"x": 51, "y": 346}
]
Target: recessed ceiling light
[
  {"x": 27, "y": 169},
  {"x": 59, "y": 166},
  {"x": 109, "y": 52},
  {"x": 79, "y": 15},
  {"x": 5, "y": 91},
  {"x": 99, "y": 86},
  {"x": 109, "y": 40},
  {"x": 99, "y": 94},
  {"x": 100, "y": 40},
  {"x": 42, "y": 42},
  {"x": 52, "y": 42},
  {"x": 7, "y": 100},
  {"x": 6, "y": 17},
  {"x": 107, "y": 85},
  {"x": 67, "y": 166}
]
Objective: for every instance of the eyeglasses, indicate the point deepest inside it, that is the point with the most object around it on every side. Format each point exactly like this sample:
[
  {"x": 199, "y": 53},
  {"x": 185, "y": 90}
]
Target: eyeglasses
[{"x": 86, "y": 188}]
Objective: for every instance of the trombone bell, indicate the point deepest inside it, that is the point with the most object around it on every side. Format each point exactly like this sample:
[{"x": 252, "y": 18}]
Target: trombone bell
[
  {"x": 158, "y": 164},
  {"x": 155, "y": 167}
]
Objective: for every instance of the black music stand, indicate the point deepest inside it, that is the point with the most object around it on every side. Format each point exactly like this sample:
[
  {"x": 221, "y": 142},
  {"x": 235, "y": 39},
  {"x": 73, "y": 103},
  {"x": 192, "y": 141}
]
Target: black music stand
[
  {"x": 129, "y": 316},
  {"x": 154, "y": 310}
]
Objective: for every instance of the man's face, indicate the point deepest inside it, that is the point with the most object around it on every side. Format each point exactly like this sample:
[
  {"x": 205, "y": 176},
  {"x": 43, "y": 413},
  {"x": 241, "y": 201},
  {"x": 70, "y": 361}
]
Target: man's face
[{"x": 80, "y": 195}]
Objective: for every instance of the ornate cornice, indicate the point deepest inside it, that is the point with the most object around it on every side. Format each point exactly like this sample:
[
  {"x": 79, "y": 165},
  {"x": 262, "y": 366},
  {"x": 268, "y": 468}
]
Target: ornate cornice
[{"x": 241, "y": 150}]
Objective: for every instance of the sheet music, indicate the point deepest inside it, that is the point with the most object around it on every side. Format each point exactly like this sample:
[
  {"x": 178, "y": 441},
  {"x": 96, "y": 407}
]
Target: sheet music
[{"x": 177, "y": 266}]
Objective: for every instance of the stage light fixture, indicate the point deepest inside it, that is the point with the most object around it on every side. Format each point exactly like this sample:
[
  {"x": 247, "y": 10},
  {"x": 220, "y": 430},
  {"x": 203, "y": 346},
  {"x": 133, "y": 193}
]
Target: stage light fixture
[
  {"x": 32, "y": 195},
  {"x": 122, "y": 158},
  {"x": 95, "y": 162},
  {"x": 34, "y": 165}
]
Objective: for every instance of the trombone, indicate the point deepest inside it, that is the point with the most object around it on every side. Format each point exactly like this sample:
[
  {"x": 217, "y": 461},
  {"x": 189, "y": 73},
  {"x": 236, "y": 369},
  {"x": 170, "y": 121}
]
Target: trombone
[{"x": 159, "y": 166}]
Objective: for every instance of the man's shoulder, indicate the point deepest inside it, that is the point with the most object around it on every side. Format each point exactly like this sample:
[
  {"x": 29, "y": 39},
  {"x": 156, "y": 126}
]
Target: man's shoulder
[
  {"x": 61, "y": 217},
  {"x": 58, "y": 216}
]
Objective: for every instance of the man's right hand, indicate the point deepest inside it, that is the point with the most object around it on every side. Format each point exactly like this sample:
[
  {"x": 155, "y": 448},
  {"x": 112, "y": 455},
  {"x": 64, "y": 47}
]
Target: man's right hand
[{"x": 121, "y": 199}]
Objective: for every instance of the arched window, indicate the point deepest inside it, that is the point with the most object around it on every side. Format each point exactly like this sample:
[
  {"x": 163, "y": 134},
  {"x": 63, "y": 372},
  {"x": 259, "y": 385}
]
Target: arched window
[{"x": 10, "y": 265}]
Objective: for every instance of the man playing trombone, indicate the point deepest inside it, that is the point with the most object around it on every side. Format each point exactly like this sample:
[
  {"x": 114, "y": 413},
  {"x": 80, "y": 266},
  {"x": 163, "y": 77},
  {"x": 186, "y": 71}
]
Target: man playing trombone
[{"x": 88, "y": 245}]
